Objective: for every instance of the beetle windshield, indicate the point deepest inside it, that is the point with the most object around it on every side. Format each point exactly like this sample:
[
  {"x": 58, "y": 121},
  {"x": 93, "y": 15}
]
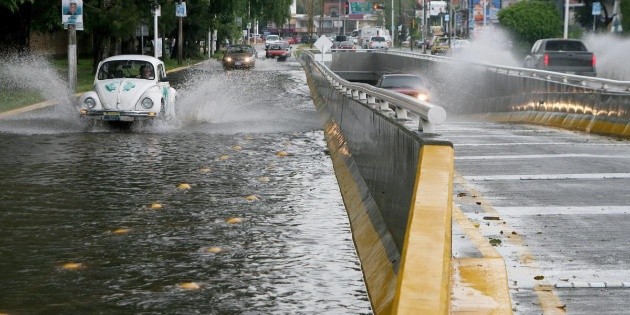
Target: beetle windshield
[{"x": 117, "y": 69}]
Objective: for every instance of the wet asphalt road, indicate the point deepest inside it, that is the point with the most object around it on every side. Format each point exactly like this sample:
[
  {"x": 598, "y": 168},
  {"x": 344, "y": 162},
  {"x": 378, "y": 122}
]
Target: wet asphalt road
[
  {"x": 94, "y": 219},
  {"x": 557, "y": 204}
]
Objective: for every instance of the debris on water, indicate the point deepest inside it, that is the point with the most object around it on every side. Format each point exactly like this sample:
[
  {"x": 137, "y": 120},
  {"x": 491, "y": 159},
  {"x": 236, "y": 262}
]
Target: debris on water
[
  {"x": 251, "y": 198},
  {"x": 234, "y": 220},
  {"x": 72, "y": 266}
]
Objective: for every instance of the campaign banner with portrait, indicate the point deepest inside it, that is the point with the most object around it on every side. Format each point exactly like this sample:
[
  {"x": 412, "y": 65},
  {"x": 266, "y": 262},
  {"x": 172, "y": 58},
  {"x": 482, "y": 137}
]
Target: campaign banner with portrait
[
  {"x": 180, "y": 9},
  {"x": 72, "y": 13}
]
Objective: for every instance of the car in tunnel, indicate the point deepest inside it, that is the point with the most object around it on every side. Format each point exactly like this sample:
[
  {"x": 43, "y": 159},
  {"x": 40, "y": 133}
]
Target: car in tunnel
[
  {"x": 405, "y": 83},
  {"x": 239, "y": 56},
  {"x": 129, "y": 88}
]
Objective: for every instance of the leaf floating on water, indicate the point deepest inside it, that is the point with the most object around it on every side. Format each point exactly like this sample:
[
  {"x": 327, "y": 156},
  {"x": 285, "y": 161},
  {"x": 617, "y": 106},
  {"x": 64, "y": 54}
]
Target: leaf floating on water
[
  {"x": 72, "y": 266},
  {"x": 234, "y": 220},
  {"x": 190, "y": 286},
  {"x": 495, "y": 242},
  {"x": 251, "y": 198}
]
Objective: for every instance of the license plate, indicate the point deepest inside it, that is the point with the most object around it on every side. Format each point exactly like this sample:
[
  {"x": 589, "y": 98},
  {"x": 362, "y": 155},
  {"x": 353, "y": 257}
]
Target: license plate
[
  {"x": 238, "y": 63},
  {"x": 111, "y": 116}
]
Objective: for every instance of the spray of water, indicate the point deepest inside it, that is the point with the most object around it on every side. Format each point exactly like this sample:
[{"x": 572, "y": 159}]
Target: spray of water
[
  {"x": 35, "y": 73},
  {"x": 491, "y": 45},
  {"x": 259, "y": 100},
  {"x": 611, "y": 52}
]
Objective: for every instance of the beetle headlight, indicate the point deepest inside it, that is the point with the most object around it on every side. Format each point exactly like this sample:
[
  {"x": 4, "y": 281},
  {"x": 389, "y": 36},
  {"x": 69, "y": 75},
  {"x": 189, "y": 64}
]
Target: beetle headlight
[
  {"x": 89, "y": 102},
  {"x": 248, "y": 59},
  {"x": 228, "y": 59},
  {"x": 147, "y": 103}
]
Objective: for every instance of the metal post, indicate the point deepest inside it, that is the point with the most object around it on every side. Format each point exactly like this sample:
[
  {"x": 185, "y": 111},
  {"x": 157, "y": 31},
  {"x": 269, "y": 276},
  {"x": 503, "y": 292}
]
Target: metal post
[
  {"x": 180, "y": 39},
  {"x": 426, "y": 27},
  {"x": 142, "y": 39},
  {"x": 72, "y": 58},
  {"x": 566, "y": 19},
  {"x": 392, "y": 23},
  {"x": 339, "y": 16},
  {"x": 155, "y": 33},
  {"x": 485, "y": 7}
]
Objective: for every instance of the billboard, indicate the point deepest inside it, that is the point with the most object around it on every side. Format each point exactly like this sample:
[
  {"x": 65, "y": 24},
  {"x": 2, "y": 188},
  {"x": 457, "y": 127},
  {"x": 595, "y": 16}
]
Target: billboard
[
  {"x": 360, "y": 7},
  {"x": 492, "y": 8}
]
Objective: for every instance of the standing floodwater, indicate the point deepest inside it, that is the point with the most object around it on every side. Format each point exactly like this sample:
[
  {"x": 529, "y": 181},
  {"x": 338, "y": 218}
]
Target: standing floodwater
[{"x": 234, "y": 208}]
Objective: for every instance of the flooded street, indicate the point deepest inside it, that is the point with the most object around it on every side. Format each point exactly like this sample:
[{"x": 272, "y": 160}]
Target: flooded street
[{"x": 232, "y": 208}]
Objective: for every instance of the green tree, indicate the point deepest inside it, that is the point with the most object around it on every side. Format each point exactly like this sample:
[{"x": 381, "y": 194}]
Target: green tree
[
  {"x": 625, "y": 13},
  {"x": 110, "y": 25},
  {"x": 531, "y": 20},
  {"x": 12, "y": 5}
]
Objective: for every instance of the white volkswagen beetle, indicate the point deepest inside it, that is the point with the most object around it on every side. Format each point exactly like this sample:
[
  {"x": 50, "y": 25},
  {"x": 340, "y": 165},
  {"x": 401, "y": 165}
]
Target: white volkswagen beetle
[{"x": 129, "y": 88}]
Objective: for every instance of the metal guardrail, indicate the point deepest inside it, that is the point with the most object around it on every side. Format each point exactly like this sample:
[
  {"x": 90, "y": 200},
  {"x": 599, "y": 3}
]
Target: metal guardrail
[
  {"x": 595, "y": 83},
  {"x": 429, "y": 114}
]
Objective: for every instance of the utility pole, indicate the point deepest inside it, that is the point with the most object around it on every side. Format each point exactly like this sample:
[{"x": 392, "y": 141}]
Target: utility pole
[
  {"x": 566, "y": 19},
  {"x": 72, "y": 58},
  {"x": 392, "y": 24},
  {"x": 426, "y": 27},
  {"x": 339, "y": 17},
  {"x": 180, "y": 39}
]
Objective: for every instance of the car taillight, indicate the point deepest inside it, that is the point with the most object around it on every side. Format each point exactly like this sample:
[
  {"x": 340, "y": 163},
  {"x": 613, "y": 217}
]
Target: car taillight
[
  {"x": 546, "y": 60},
  {"x": 593, "y": 60}
]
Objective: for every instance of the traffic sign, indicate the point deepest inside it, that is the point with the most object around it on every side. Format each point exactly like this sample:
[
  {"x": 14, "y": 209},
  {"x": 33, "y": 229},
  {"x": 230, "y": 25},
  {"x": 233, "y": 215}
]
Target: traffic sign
[{"x": 323, "y": 44}]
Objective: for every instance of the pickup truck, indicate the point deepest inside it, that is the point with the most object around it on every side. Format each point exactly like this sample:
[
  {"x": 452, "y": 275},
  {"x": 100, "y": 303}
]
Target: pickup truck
[
  {"x": 272, "y": 39},
  {"x": 562, "y": 55},
  {"x": 378, "y": 42}
]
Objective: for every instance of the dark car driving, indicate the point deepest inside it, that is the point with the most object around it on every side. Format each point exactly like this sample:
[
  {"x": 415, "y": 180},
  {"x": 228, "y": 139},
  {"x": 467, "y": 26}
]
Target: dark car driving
[
  {"x": 239, "y": 56},
  {"x": 408, "y": 84}
]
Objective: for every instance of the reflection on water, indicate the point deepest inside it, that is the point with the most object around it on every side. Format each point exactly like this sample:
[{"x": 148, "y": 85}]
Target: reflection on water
[{"x": 85, "y": 196}]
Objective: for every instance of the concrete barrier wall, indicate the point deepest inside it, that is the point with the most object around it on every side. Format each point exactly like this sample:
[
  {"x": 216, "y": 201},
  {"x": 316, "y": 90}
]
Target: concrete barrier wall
[{"x": 378, "y": 163}]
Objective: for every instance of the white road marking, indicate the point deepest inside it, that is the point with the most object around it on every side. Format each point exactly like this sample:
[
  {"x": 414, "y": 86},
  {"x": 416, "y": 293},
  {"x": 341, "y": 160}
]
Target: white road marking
[
  {"x": 539, "y": 143},
  {"x": 548, "y": 176},
  {"x": 550, "y": 210},
  {"x": 536, "y": 156}
]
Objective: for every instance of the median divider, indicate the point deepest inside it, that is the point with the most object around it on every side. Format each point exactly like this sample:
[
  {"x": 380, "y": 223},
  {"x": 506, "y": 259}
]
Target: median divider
[{"x": 397, "y": 187}]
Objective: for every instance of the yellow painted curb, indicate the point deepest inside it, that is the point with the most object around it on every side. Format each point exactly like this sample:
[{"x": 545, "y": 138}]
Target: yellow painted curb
[
  {"x": 482, "y": 287},
  {"x": 424, "y": 272},
  {"x": 378, "y": 271}
]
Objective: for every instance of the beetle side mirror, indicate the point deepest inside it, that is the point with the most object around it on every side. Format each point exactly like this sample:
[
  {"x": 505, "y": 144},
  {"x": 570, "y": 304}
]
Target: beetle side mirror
[{"x": 164, "y": 79}]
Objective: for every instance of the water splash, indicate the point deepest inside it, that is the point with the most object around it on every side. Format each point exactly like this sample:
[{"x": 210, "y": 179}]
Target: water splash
[
  {"x": 493, "y": 46},
  {"x": 258, "y": 100},
  {"x": 35, "y": 73},
  {"x": 611, "y": 52}
]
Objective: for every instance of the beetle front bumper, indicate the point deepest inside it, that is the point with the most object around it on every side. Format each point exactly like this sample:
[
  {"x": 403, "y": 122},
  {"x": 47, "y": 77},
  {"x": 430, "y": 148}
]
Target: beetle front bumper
[{"x": 115, "y": 115}]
